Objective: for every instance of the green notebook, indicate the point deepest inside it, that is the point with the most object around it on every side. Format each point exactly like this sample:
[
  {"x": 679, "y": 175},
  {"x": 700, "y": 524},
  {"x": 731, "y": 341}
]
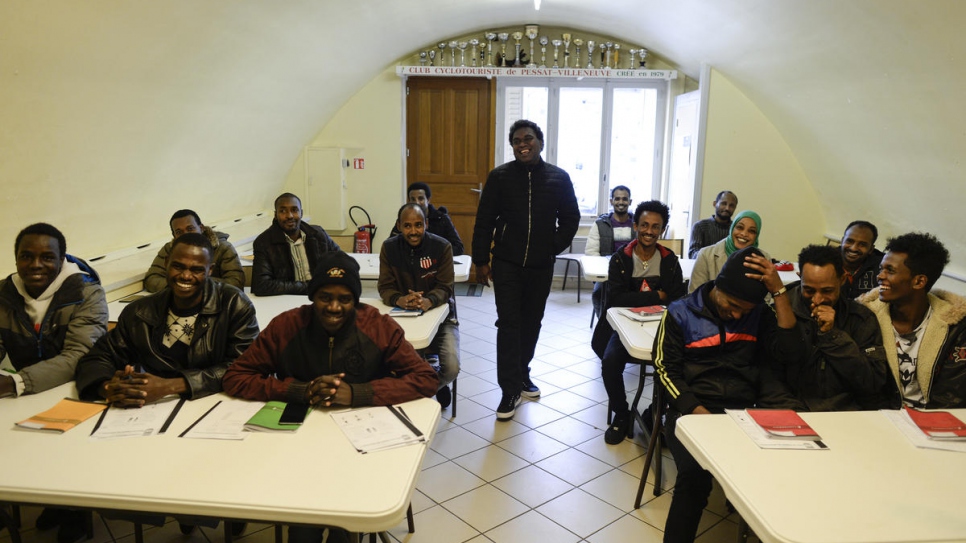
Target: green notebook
[{"x": 267, "y": 419}]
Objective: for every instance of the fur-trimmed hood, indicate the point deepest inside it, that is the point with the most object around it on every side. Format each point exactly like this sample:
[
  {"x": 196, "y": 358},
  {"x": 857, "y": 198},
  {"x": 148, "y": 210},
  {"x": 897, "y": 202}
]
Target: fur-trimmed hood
[
  {"x": 948, "y": 310},
  {"x": 949, "y": 307},
  {"x": 215, "y": 238}
]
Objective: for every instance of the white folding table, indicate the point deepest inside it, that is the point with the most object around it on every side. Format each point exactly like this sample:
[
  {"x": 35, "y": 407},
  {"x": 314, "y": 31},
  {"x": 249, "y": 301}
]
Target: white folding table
[
  {"x": 871, "y": 485},
  {"x": 369, "y": 266},
  {"x": 313, "y": 476}
]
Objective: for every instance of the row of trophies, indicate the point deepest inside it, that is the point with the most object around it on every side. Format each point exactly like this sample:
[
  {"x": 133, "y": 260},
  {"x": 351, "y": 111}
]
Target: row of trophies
[{"x": 609, "y": 52}]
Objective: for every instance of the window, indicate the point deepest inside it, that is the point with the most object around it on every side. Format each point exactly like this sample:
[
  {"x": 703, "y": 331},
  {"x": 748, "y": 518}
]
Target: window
[{"x": 603, "y": 133}]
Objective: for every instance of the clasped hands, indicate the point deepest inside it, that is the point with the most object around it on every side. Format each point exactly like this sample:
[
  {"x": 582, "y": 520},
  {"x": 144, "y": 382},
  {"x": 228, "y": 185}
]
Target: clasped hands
[
  {"x": 133, "y": 389},
  {"x": 414, "y": 300},
  {"x": 329, "y": 390}
]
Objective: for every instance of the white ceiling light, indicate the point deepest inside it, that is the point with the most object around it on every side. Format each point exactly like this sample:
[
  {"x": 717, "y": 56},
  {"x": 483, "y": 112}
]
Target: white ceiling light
[{"x": 536, "y": 5}]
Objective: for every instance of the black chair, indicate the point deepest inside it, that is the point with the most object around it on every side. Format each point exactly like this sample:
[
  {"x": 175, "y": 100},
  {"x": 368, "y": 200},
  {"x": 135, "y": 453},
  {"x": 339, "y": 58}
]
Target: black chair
[
  {"x": 655, "y": 440},
  {"x": 383, "y": 536},
  {"x": 654, "y": 436}
]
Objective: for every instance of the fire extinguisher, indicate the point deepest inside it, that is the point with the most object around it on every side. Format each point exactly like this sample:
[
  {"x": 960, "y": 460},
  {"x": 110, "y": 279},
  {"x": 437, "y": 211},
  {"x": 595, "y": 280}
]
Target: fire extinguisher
[{"x": 364, "y": 232}]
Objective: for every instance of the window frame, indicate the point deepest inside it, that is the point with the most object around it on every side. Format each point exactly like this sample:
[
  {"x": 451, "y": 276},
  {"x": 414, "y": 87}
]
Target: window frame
[{"x": 554, "y": 84}]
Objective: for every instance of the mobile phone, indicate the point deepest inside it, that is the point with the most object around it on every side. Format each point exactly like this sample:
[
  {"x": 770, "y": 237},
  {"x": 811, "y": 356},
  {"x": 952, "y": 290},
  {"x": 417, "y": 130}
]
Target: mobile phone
[{"x": 294, "y": 413}]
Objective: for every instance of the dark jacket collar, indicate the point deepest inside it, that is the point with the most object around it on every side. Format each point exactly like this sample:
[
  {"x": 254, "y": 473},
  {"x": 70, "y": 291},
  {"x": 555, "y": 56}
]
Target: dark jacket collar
[
  {"x": 277, "y": 235},
  {"x": 155, "y": 308}
]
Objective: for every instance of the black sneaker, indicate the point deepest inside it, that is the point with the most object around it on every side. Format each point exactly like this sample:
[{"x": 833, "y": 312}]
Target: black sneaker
[
  {"x": 619, "y": 428},
  {"x": 508, "y": 406},
  {"x": 73, "y": 527},
  {"x": 530, "y": 390},
  {"x": 444, "y": 397}
]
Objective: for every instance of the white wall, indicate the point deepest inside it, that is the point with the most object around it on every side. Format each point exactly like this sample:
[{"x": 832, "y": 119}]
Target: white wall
[
  {"x": 748, "y": 156},
  {"x": 113, "y": 113}
]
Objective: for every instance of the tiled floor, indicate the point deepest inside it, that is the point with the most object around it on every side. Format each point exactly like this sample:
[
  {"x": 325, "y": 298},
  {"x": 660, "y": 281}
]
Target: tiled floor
[{"x": 545, "y": 476}]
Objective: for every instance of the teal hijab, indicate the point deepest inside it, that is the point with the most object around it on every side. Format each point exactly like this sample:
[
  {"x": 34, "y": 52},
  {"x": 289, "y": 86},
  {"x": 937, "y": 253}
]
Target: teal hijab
[{"x": 730, "y": 242}]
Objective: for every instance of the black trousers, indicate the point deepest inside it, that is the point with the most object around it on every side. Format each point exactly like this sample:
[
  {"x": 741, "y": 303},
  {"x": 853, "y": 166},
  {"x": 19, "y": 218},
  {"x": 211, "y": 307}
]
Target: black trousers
[
  {"x": 521, "y": 298},
  {"x": 691, "y": 488},
  {"x": 612, "y": 367}
]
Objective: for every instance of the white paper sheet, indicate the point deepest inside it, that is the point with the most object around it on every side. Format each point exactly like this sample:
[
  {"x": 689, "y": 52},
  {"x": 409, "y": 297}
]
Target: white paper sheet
[
  {"x": 149, "y": 420},
  {"x": 376, "y": 428},
  {"x": 765, "y": 440},
  {"x": 916, "y": 436},
  {"x": 226, "y": 420}
]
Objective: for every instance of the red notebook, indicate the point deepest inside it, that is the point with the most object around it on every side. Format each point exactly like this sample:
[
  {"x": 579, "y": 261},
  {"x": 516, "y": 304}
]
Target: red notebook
[
  {"x": 647, "y": 310},
  {"x": 782, "y": 423},
  {"x": 938, "y": 424}
]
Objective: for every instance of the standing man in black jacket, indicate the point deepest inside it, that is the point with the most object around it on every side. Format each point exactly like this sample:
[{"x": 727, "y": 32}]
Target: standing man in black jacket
[
  {"x": 288, "y": 251},
  {"x": 528, "y": 211}
]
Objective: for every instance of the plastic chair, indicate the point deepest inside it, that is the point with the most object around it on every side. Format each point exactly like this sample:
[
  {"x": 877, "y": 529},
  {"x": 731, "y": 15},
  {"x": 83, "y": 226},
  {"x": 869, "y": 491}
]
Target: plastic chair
[
  {"x": 655, "y": 437},
  {"x": 572, "y": 258}
]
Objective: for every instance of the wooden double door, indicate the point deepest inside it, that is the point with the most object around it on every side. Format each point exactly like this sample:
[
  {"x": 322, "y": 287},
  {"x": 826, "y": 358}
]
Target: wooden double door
[{"x": 449, "y": 139}]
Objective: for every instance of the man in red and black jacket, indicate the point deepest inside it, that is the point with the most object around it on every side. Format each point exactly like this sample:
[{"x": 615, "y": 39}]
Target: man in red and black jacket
[
  {"x": 334, "y": 351},
  {"x": 642, "y": 273}
]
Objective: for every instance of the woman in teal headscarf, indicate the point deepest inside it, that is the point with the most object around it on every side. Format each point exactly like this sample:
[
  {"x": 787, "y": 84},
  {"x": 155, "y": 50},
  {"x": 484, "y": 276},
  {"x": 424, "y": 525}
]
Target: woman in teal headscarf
[{"x": 745, "y": 229}]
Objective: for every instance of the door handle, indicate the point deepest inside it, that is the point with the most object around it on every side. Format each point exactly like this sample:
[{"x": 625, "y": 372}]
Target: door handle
[{"x": 479, "y": 190}]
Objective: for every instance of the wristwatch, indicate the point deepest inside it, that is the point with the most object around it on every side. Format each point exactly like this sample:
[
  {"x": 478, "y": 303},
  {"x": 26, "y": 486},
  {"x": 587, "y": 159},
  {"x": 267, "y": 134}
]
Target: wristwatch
[{"x": 779, "y": 292}]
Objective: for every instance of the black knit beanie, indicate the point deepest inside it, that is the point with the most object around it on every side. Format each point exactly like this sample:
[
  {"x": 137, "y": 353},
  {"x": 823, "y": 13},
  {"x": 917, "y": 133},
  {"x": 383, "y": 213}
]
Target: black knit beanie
[
  {"x": 336, "y": 268},
  {"x": 732, "y": 281}
]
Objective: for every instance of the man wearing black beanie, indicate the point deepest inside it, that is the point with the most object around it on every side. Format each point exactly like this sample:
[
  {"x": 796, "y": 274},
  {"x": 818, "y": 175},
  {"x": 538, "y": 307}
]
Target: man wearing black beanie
[
  {"x": 334, "y": 351},
  {"x": 710, "y": 355}
]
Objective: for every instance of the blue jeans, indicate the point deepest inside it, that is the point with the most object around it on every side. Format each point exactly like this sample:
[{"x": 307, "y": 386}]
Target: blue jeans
[{"x": 447, "y": 345}]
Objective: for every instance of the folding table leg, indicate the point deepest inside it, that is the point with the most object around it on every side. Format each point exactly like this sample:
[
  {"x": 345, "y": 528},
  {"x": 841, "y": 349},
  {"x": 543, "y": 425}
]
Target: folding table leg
[
  {"x": 744, "y": 532},
  {"x": 653, "y": 446},
  {"x": 12, "y": 524}
]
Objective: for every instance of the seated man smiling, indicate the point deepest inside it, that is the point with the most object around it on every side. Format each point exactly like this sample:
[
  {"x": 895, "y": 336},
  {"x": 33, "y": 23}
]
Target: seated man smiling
[
  {"x": 332, "y": 352},
  {"x": 177, "y": 341},
  {"x": 416, "y": 272}
]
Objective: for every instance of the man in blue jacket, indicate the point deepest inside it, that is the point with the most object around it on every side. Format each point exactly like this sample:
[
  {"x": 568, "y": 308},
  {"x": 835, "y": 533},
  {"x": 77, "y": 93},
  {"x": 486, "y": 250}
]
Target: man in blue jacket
[
  {"x": 528, "y": 211},
  {"x": 710, "y": 355}
]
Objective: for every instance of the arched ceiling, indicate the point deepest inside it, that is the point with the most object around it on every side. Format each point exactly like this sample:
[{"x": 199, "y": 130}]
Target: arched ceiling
[{"x": 868, "y": 94}]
